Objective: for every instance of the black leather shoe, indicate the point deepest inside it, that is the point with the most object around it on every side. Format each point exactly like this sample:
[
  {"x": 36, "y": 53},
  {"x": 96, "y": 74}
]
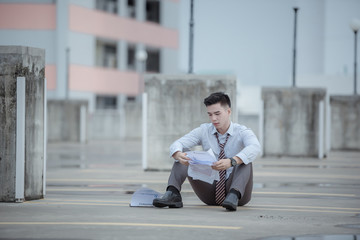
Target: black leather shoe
[
  {"x": 170, "y": 199},
  {"x": 230, "y": 202}
]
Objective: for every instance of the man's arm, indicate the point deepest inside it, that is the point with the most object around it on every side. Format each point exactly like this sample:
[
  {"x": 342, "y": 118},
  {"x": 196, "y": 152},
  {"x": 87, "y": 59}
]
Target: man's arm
[
  {"x": 188, "y": 141},
  {"x": 252, "y": 147},
  {"x": 247, "y": 155}
]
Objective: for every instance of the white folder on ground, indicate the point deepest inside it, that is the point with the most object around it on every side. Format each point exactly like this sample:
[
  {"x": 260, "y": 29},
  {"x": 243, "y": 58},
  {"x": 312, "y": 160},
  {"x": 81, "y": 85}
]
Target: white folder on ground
[{"x": 144, "y": 197}]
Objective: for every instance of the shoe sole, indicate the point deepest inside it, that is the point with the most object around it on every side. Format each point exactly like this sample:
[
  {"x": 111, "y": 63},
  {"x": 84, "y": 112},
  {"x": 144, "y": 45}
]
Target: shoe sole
[
  {"x": 170, "y": 205},
  {"x": 229, "y": 206}
]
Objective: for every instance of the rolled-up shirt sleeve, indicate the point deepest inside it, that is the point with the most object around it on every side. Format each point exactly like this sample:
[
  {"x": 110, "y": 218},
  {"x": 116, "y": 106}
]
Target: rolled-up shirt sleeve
[
  {"x": 186, "y": 142},
  {"x": 251, "y": 148}
]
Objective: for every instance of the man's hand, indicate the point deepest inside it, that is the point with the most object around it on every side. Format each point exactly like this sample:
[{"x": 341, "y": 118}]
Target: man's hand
[
  {"x": 222, "y": 164},
  {"x": 181, "y": 157}
]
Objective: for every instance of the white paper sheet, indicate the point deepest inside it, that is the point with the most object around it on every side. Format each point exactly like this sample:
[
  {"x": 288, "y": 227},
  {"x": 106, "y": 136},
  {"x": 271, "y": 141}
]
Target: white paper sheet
[
  {"x": 200, "y": 166},
  {"x": 144, "y": 197}
]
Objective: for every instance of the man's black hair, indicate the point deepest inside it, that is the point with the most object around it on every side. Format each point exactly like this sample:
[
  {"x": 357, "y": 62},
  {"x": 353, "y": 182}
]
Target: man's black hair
[{"x": 218, "y": 97}]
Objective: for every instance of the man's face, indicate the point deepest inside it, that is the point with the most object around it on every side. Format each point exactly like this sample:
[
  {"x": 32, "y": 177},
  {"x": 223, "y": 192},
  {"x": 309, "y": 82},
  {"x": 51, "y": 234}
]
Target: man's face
[{"x": 219, "y": 116}]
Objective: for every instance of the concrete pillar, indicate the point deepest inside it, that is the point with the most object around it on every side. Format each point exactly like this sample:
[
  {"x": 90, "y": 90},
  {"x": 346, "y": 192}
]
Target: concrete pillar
[
  {"x": 345, "y": 122},
  {"x": 293, "y": 122},
  {"x": 22, "y": 149},
  {"x": 175, "y": 107}
]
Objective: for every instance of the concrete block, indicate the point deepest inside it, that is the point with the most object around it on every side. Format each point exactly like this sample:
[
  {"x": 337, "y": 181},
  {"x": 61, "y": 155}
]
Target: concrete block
[
  {"x": 133, "y": 118},
  {"x": 345, "y": 122},
  {"x": 65, "y": 119},
  {"x": 291, "y": 121},
  {"x": 27, "y": 62},
  {"x": 105, "y": 125},
  {"x": 175, "y": 107}
]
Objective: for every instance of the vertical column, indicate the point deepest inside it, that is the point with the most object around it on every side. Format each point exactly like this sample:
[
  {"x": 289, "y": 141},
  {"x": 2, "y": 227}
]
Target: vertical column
[
  {"x": 121, "y": 109},
  {"x": 140, "y": 10},
  {"x": 121, "y": 45},
  {"x": 45, "y": 136},
  {"x": 62, "y": 23},
  {"x": 144, "y": 131},
  {"x": 140, "y": 16},
  {"x": 328, "y": 124},
  {"x": 321, "y": 129},
  {"x": 139, "y": 65},
  {"x": 20, "y": 139},
  {"x": 261, "y": 126},
  {"x": 122, "y": 55},
  {"x": 122, "y": 8},
  {"x": 82, "y": 123}
]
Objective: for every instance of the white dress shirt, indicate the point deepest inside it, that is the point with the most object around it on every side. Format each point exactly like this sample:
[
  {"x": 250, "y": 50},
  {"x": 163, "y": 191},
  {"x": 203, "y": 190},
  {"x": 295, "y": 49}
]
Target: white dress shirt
[{"x": 242, "y": 142}]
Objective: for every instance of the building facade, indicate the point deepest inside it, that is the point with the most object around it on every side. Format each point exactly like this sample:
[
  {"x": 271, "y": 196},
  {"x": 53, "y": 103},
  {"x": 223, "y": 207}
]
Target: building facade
[{"x": 91, "y": 45}]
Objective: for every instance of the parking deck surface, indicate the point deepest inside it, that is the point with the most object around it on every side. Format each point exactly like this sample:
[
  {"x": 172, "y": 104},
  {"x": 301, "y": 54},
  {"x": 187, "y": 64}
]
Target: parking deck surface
[{"x": 89, "y": 188}]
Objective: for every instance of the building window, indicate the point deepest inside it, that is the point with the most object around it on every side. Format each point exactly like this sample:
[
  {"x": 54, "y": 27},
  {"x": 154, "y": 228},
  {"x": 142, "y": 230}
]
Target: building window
[
  {"x": 131, "y": 61},
  {"x": 106, "y": 54},
  {"x": 107, "y": 6},
  {"x": 106, "y": 102},
  {"x": 153, "y": 11},
  {"x": 131, "y": 99},
  {"x": 153, "y": 60},
  {"x": 131, "y": 9}
]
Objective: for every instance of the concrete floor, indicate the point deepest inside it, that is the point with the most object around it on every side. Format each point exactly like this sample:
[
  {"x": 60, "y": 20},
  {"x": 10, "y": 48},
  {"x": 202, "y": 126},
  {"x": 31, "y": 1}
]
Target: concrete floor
[{"x": 89, "y": 188}]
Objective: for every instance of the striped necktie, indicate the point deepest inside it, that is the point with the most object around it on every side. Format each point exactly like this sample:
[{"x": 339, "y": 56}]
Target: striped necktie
[{"x": 220, "y": 185}]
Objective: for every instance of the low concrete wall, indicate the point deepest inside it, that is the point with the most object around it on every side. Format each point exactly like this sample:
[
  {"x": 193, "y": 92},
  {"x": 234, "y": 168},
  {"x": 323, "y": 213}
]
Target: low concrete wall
[
  {"x": 133, "y": 120},
  {"x": 291, "y": 121},
  {"x": 250, "y": 121},
  {"x": 174, "y": 107},
  {"x": 345, "y": 122},
  {"x": 27, "y": 62},
  {"x": 106, "y": 125},
  {"x": 66, "y": 120}
]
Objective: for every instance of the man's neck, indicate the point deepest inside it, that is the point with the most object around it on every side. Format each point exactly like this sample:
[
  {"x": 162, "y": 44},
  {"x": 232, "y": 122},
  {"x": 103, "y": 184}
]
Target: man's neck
[{"x": 223, "y": 131}]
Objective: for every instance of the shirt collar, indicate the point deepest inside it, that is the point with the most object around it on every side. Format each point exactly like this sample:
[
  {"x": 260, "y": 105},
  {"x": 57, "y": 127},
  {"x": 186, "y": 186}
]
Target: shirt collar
[{"x": 229, "y": 131}]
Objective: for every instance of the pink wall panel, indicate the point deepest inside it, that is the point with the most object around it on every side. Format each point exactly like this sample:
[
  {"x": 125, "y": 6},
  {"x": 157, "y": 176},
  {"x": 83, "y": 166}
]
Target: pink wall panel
[
  {"x": 50, "y": 75},
  {"x": 114, "y": 27},
  {"x": 27, "y": 16},
  {"x": 103, "y": 80}
]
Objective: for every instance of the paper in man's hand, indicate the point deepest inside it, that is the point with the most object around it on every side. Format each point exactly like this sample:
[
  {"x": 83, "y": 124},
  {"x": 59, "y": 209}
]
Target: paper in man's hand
[
  {"x": 200, "y": 166},
  {"x": 201, "y": 157}
]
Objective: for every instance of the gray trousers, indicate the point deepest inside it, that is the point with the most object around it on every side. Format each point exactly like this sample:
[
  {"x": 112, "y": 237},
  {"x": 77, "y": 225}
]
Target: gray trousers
[{"x": 240, "y": 179}]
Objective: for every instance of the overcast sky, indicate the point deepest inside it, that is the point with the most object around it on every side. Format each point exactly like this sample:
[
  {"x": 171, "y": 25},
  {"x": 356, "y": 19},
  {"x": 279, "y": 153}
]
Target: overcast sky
[{"x": 253, "y": 39}]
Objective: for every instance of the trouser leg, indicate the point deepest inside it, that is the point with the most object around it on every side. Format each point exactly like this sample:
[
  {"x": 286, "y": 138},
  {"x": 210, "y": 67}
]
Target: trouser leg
[
  {"x": 205, "y": 191},
  {"x": 178, "y": 174},
  {"x": 241, "y": 179}
]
